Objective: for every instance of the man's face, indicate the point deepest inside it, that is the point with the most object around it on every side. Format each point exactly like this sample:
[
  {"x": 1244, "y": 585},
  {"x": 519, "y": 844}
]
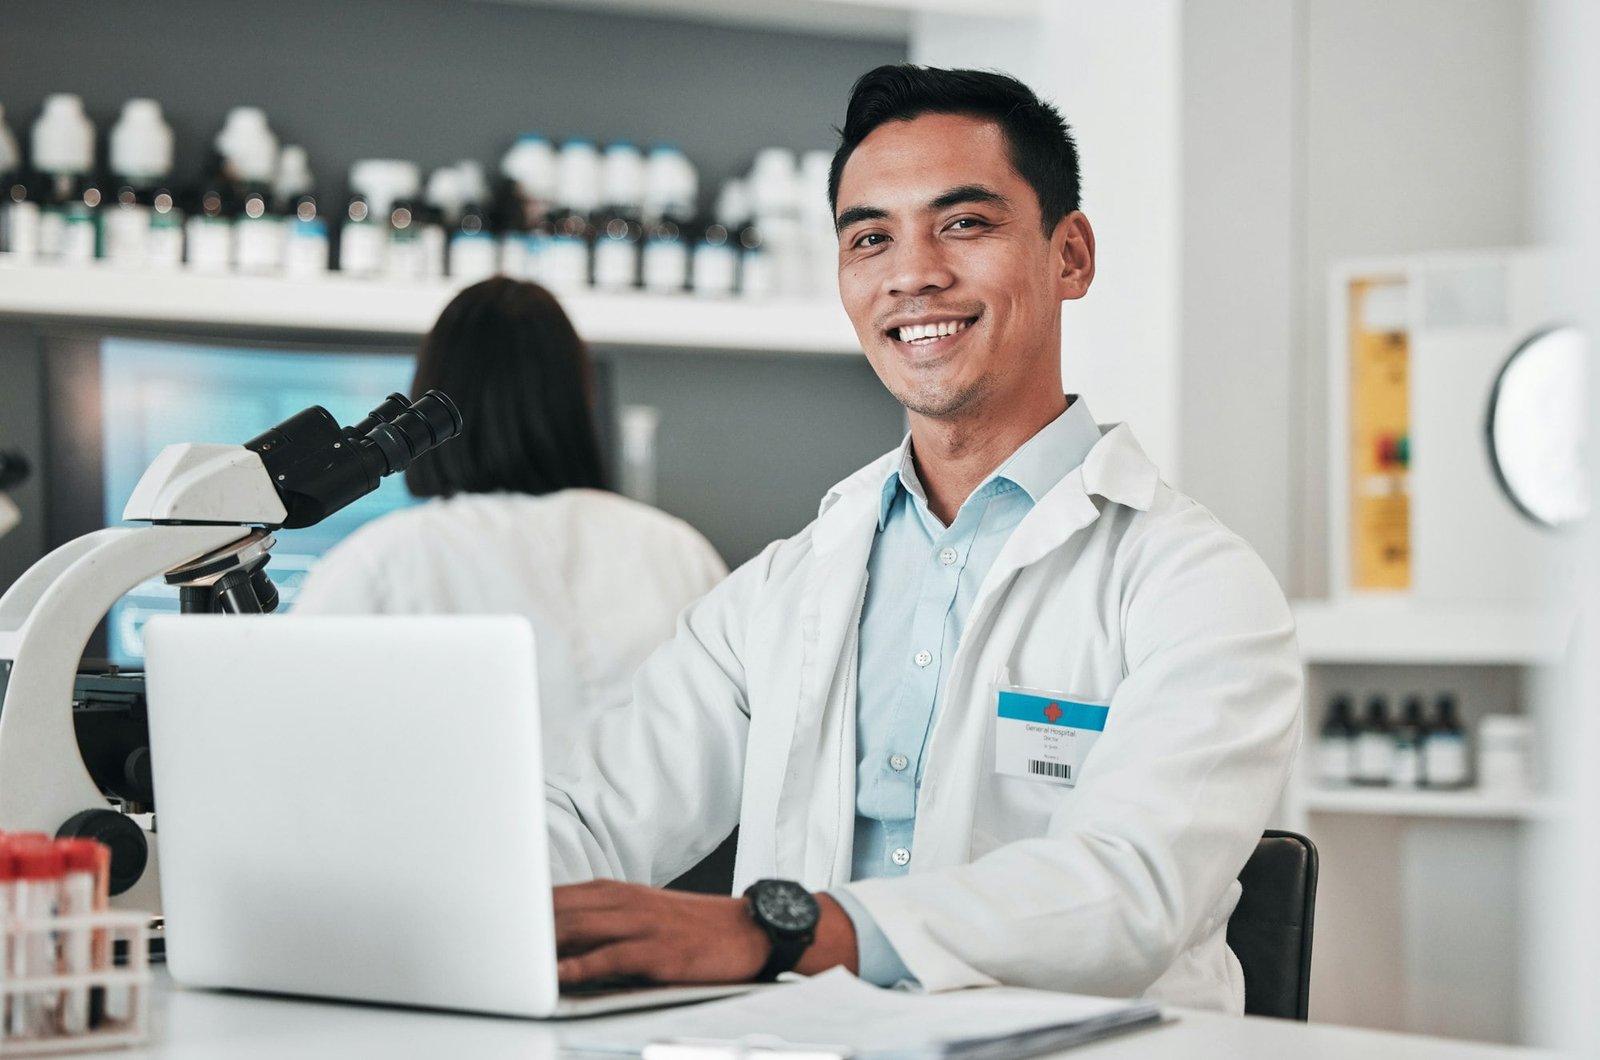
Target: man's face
[{"x": 944, "y": 268}]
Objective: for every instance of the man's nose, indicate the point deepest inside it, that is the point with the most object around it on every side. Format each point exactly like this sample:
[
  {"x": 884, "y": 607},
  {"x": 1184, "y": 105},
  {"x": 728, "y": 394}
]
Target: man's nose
[{"x": 920, "y": 267}]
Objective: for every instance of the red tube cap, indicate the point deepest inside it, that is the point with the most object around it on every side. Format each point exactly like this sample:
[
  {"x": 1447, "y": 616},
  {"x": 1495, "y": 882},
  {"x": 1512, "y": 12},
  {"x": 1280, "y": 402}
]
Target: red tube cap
[{"x": 38, "y": 861}]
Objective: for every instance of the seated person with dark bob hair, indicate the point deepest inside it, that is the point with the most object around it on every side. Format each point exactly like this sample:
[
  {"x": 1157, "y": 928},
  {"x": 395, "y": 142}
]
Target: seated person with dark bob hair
[{"x": 518, "y": 519}]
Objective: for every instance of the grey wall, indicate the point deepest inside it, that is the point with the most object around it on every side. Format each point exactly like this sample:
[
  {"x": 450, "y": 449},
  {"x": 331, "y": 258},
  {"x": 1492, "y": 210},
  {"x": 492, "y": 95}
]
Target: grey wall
[
  {"x": 1240, "y": 211},
  {"x": 748, "y": 444},
  {"x": 432, "y": 80}
]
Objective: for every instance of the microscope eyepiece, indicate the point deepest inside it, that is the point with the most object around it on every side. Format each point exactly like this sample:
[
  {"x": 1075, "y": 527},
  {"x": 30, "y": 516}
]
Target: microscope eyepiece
[
  {"x": 404, "y": 430},
  {"x": 318, "y": 467}
]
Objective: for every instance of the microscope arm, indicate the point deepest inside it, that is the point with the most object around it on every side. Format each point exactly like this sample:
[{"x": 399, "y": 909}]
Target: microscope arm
[{"x": 43, "y": 780}]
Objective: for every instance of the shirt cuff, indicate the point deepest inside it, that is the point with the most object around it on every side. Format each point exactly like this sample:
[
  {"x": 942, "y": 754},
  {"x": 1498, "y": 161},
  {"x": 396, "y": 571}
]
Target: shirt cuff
[{"x": 880, "y": 964}]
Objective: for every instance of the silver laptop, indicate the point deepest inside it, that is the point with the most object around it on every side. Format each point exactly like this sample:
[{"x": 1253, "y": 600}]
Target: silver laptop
[{"x": 353, "y": 807}]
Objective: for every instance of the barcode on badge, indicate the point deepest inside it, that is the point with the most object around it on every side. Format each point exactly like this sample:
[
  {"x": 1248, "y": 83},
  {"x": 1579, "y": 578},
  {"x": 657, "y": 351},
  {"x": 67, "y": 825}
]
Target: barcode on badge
[{"x": 1058, "y": 770}]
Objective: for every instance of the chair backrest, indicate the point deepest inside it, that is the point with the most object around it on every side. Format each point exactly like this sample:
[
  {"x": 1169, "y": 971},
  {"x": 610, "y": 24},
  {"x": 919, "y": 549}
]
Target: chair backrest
[{"x": 1270, "y": 930}]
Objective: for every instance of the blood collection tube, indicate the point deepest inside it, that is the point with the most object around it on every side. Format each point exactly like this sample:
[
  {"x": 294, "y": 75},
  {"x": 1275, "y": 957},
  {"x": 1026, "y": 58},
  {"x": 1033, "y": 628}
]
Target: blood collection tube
[
  {"x": 40, "y": 867},
  {"x": 81, "y": 862},
  {"x": 11, "y": 944}
]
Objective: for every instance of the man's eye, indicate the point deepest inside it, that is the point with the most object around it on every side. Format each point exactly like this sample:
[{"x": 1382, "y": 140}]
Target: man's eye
[
  {"x": 967, "y": 223},
  {"x": 871, "y": 239}
]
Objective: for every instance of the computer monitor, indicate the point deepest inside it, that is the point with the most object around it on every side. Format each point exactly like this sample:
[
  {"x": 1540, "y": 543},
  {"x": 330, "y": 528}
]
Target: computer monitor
[{"x": 116, "y": 401}]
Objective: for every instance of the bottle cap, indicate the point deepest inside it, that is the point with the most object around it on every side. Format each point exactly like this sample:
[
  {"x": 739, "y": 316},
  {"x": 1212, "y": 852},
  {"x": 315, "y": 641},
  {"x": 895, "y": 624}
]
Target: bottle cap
[
  {"x": 38, "y": 860},
  {"x": 8, "y": 861},
  {"x": 444, "y": 193},
  {"x": 578, "y": 176},
  {"x": 382, "y": 181},
  {"x": 294, "y": 173},
  {"x": 248, "y": 145},
  {"x": 622, "y": 176},
  {"x": 80, "y": 855},
  {"x": 733, "y": 203},
  {"x": 141, "y": 142},
  {"x": 474, "y": 186},
  {"x": 671, "y": 183},
  {"x": 773, "y": 182},
  {"x": 531, "y": 166},
  {"x": 63, "y": 137}
]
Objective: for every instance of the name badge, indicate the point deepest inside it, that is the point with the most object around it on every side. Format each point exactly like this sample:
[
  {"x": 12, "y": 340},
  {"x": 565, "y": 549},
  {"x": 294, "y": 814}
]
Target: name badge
[{"x": 1044, "y": 737}]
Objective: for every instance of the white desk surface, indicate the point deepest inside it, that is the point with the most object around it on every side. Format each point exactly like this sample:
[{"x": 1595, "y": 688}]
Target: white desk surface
[{"x": 204, "y": 1025}]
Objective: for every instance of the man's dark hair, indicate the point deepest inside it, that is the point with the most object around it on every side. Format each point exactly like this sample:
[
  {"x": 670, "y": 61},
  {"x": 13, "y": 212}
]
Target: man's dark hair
[
  {"x": 1041, "y": 147},
  {"x": 506, "y": 353}
]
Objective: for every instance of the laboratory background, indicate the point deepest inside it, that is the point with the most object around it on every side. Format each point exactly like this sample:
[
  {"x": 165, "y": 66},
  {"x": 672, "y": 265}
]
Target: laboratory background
[{"x": 1346, "y": 261}]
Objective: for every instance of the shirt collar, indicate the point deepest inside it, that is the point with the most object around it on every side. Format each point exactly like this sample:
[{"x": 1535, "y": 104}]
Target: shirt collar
[{"x": 1036, "y": 466}]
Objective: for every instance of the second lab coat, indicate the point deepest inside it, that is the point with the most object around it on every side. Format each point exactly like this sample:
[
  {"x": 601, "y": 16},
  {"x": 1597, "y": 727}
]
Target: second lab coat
[{"x": 1114, "y": 589}]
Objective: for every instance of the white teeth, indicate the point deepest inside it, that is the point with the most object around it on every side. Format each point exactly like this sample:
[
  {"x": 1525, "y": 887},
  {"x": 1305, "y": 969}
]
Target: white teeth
[{"x": 919, "y": 332}]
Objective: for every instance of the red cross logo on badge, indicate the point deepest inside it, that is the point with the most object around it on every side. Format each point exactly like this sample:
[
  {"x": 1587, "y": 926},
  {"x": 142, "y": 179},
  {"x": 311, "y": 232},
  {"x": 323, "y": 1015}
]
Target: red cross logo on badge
[{"x": 1053, "y": 712}]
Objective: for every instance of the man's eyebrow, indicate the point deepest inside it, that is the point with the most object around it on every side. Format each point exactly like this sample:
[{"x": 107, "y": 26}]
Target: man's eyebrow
[
  {"x": 856, "y": 214},
  {"x": 969, "y": 193}
]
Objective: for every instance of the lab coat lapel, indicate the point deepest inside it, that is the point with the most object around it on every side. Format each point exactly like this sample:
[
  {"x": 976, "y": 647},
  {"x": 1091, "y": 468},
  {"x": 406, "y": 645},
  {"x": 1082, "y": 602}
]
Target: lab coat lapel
[
  {"x": 816, "y": 806},
  {"x": 1116, "y": 470}
]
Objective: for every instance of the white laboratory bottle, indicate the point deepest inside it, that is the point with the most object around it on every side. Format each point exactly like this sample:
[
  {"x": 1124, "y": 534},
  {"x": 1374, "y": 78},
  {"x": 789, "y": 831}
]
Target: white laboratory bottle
[
  {"x": 664, "y": 264},
  {"x": 305, "y": 234},
  {"x": 63, "y": 154},
  {"x": 19, "y": 206},
  {"x": 617, "y": 240},
  {"x": 208, "y": 230},
  {"x": 1505, "y": 754},
  {"x": 141, "y": 165},
  {"x": 671, "y": 185},
  {"x": 714, "y": 263}
]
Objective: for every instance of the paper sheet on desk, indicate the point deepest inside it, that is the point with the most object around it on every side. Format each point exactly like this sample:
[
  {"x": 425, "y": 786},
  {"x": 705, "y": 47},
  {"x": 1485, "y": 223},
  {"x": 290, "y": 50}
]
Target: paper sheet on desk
[{"x": 846, "y": 1017}]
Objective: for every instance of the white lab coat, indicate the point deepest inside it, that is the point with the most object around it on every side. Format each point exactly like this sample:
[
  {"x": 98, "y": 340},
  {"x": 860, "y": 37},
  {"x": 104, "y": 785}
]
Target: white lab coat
[
  {"x": 1114, "y": 589},
  {"x": 601, "y": 578}
]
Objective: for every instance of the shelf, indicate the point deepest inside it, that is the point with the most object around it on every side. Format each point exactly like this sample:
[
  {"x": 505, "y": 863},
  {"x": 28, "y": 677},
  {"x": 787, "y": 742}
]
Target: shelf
[
  {"x": 1400, "y": 631},
  {"x": 101, "y": 294},
  {"x": 1393, "y": 803}
]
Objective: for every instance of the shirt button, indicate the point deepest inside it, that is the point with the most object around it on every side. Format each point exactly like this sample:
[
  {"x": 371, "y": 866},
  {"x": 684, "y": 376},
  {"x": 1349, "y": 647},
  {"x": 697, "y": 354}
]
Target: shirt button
[
  {"x": 901, "y": 856},
  {"x": 948, "y": 556},
  {"x": 924, "y": 657},
  {"x": 898, "y": 762}
]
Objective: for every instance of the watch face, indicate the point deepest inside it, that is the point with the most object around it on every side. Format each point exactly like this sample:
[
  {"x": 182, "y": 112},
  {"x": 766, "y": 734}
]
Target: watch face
[{"x": 786, "y": 906}]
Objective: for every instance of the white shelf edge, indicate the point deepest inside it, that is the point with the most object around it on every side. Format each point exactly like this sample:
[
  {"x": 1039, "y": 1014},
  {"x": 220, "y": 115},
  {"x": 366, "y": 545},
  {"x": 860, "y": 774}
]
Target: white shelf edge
[
  {"x": 1404, "y": 631},
  {"x": 1467, "y": 803},
  {"x": 101, "y": 294}
]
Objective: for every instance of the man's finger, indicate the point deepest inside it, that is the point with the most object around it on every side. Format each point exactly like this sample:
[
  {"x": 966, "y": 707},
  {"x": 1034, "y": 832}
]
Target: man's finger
[
  {"x": 593, "y": 894},
  {"x": 584, "y": 929},
  {"x": 635, "y": 957}
]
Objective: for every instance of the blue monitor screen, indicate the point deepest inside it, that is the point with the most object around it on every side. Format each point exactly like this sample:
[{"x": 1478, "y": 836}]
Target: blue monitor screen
[{"x": 156, "y": 393}]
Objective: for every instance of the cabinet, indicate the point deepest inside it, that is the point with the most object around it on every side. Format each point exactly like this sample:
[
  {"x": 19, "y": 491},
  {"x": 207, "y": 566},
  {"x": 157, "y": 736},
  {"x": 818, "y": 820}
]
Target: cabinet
[{"x": 1420, "y": 910}]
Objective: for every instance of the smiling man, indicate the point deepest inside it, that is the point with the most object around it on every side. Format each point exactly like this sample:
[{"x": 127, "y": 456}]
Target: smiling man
[{"x": 1011, "y": 709}]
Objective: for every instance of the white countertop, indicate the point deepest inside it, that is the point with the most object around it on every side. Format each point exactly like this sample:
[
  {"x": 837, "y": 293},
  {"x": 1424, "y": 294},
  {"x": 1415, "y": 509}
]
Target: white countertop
[{"x": 203, "y": 1024}]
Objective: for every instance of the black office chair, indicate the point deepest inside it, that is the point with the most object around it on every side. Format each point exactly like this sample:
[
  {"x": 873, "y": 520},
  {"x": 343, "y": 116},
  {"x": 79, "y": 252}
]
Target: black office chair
[{"x": 1270, "y": 930}]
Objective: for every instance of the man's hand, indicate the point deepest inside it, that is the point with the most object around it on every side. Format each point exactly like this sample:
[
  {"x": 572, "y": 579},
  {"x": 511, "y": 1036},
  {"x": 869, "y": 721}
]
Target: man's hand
[{"x": 606, "y": 929}]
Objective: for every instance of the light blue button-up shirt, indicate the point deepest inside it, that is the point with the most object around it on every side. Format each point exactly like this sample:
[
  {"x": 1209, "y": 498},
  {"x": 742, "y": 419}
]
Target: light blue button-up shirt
[{"x": 922, "y": 577}]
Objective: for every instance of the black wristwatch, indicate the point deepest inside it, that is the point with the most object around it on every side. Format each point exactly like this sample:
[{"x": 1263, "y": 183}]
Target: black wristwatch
[{"x": 788, "y": 913}]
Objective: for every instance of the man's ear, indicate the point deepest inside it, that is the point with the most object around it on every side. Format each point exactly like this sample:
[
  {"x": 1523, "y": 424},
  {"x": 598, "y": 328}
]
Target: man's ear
[{"x": 1072, "y": 249}]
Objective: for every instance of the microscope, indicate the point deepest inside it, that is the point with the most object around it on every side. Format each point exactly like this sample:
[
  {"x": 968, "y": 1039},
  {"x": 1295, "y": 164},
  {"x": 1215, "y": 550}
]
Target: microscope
[{"x": 211, "y": 511}]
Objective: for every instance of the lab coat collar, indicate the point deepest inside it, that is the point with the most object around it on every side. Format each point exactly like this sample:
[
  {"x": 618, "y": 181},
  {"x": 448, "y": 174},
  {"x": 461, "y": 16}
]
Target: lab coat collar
[
  {"x": 1036, "y": 466},
  {"x": 1116, "y": 469}
]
